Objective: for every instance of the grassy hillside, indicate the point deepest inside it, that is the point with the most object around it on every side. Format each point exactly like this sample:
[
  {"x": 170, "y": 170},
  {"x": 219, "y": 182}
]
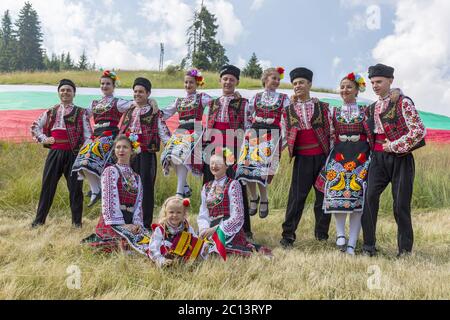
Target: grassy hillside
[
  {"x": 160, "y": 80},
  {"x": 35, "y": 263}
]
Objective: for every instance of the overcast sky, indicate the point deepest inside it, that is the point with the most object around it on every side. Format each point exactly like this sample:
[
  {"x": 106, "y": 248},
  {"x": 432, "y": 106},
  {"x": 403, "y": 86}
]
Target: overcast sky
[{"x": 331, "y": 37}]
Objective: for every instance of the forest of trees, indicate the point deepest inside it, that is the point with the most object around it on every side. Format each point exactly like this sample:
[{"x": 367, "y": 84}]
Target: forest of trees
[{"x": 21, "y": 46}]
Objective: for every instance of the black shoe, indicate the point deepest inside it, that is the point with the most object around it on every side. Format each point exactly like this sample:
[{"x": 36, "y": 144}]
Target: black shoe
[
  {"x": 369, "y": 253},
  {"x": 97, "y": 196},
  {"x": 77, "y": 225},
  {"x": 36, "y": 224},
  {"x": 89, "y": 194},
  {"x": 253, "y": 212},
  {"x": 263, "y": 213},
  {"x": 188, "y": 193},
  {"x": 249, "y": 236},
  {"x": 287, "y": 244},
  {"x": 342, "y": 247}
]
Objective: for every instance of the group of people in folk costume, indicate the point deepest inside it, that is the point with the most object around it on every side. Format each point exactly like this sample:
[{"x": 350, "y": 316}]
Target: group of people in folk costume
[{"x": 348, "y": 154}]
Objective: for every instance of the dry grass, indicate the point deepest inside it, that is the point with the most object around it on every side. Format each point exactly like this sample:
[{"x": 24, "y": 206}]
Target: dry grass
[{"x": 33, "y": 263}]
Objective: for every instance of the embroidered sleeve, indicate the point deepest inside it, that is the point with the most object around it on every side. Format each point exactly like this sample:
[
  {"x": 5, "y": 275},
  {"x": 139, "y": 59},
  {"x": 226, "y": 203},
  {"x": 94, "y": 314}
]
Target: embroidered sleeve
[
  {"x": 416, "y": 128},
  {"x": 234, "y": 224},
  {"x": 163, "y": 129},
  {"x": 203, "y": 220},
  {"x": 37, "y": 128},
  {"x": 170, "y": 110},
  {"x": 206, "y": 100},
  {"x": 124, "y": 105},
  {"x": 137, "y": 216},
  {"x": 286, "y": 101},
  {"x": 110, "y": 198},
  {"x": 247, "y": 115},
  {"x": 87, "y": 129},
  {"x": 156, "y": 243}
]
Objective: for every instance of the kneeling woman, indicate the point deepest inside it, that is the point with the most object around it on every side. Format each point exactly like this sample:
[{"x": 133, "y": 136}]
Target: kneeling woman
[
  {"x": 121, "y": 224},
  {"x": 222, "y": 207}
]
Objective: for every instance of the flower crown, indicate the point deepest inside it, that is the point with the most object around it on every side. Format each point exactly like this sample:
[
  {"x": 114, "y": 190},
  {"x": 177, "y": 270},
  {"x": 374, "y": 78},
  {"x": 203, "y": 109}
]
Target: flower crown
[
  {"x": 359, "y": 79},
  {"x": 227, "y": 154},
  {"x": 134, "y": 142},
  {"x": 281, "y": 71},
  {"x": 110, "y": 74},
  {"x": 194, "y": 73}
]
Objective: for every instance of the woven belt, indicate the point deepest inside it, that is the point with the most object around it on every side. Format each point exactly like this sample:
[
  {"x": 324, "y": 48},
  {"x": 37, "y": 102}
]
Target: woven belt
[
  {"x": 61, "y": 141},
  {"x": 307, "y": 147}
]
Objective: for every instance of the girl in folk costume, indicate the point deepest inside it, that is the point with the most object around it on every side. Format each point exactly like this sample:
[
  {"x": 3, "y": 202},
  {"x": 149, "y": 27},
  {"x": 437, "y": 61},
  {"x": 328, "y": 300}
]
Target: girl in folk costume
[
  {"x": 347, "y": 167},
  {"x": 173, "y": 239},
  {"x": 95, "y": 155},
  {"x": 261, "y": 151},
  {"x": 181, "y": 150},
  {"x": 121, "y": 219},
  {"x": 63, "y": 129},
  {"x": 151, "y": 129},
  {"x": 222, "y": 210}
]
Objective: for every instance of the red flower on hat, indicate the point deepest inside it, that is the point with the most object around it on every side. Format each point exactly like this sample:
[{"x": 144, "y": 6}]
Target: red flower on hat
[
  {"x": 351, "y": 76},
  {"x": 186, "y": 203}
]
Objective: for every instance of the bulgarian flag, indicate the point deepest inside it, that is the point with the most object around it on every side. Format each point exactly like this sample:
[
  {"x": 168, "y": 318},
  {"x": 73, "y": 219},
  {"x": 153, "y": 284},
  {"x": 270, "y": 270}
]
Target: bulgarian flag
[{"x": 219, "y": 240}]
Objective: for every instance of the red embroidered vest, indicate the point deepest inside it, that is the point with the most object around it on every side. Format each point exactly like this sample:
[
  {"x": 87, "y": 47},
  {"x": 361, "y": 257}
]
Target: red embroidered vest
[
  {"x": 320, "y": 124},
  {"x": 149, "y": 138},
  {"x": 74, "y": 126},
  {"x": 394, "y": 124},
  {"x": 194, "y": 111},
  {"x": 112, "y": 115},
  {"x": 274, "y": 112},
  {"x": 127, "y": 193},
  {"x": 220, "y": 208},
  {"x": 236, "y": 113}
]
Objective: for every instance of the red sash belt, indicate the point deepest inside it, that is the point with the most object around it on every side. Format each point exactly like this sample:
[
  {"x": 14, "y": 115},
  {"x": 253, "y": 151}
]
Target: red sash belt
[
  {"x": 307, "y": 144},
  {"x": 379, "y": 141},
  {"x": 61, "y": 140}
]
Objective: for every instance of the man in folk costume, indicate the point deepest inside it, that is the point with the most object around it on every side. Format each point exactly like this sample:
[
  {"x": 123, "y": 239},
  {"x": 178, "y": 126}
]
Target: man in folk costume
[
  {"x": 63, "y": 129},
  {"x": 228, "y": 119},
  {"x": 398, "y": 131},
  {"x": 308, "y": 141},
  {"x": 150, "y": 127}
]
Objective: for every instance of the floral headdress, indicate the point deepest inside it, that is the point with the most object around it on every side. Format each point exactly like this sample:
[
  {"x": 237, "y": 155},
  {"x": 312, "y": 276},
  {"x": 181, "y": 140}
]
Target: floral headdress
[
  {"x": 281, "y": 71},
  {"x": 227, "y": 154},
  {"x": 110, "y": 74},
  {"x": 194, "y": 73},
  {"x": 359, "y": 79},
  {"x": 134, "y": 142}
]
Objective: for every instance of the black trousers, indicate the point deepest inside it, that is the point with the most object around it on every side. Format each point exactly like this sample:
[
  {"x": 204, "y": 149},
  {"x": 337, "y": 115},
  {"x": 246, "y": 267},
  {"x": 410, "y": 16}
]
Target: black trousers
[
  {"x": 58, "y": 163},
  {"x": 400, "y": 171},
  {"x": 145, "y": 164},
  {"x": 208, "y": 176},
  {"x": 306, "y": 171}
]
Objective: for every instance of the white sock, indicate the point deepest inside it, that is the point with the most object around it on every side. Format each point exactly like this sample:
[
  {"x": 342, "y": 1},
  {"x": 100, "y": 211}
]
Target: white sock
[
  {"x": 264, "y": 197},
  {"x": 182, "y": 172},
  {"x": 94, "y": 183},
  {"x": 355, "y": 228},
  {"x": 340, "y": 228},
  {"x": 251, "y": 187}
]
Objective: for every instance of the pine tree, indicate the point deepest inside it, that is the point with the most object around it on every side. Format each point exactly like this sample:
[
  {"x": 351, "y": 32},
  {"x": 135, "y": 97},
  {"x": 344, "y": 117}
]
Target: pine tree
[
  {"x": 69, "y": 64},
  {"x": 83, "y": 62},
  {"x": 30, "y": 54},
  {"x": 204, "y": 52},
  {"x": 253, "y": 68},
  {"x": 8, "y": 45}
]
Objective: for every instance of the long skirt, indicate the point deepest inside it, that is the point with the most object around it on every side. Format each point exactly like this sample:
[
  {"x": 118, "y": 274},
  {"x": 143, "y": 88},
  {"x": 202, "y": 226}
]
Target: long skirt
[
  {"x": 346, "y": 173},
  {"x": 183, "y": 148},
  {"x": 109, "y": 238},
  {"x": 259, "y": 156},
  {"x": 94, "y": 156}
]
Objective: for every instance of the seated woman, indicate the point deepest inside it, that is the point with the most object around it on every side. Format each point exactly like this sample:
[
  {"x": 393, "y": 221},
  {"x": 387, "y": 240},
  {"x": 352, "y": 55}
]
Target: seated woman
[
  {"x": 174, "y": 240},
  {"x": 223, "y": 208},
  {"x": 121, "y": 224}
]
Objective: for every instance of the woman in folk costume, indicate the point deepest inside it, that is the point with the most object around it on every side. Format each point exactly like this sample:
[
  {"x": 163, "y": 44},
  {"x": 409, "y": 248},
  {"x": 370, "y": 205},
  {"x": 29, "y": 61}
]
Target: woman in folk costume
[
  {"x": 151, "y": 129},
  {"x": 121, "y": 224},
  {"x": 347, "y": 167},
  {"x": 261, "y": 151},
  {"x": 222, "y": 210},
  {"x": 95, "y": 155},
  {"x": 186, "y": 142},
  {"x": 173, "y": 239}
]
